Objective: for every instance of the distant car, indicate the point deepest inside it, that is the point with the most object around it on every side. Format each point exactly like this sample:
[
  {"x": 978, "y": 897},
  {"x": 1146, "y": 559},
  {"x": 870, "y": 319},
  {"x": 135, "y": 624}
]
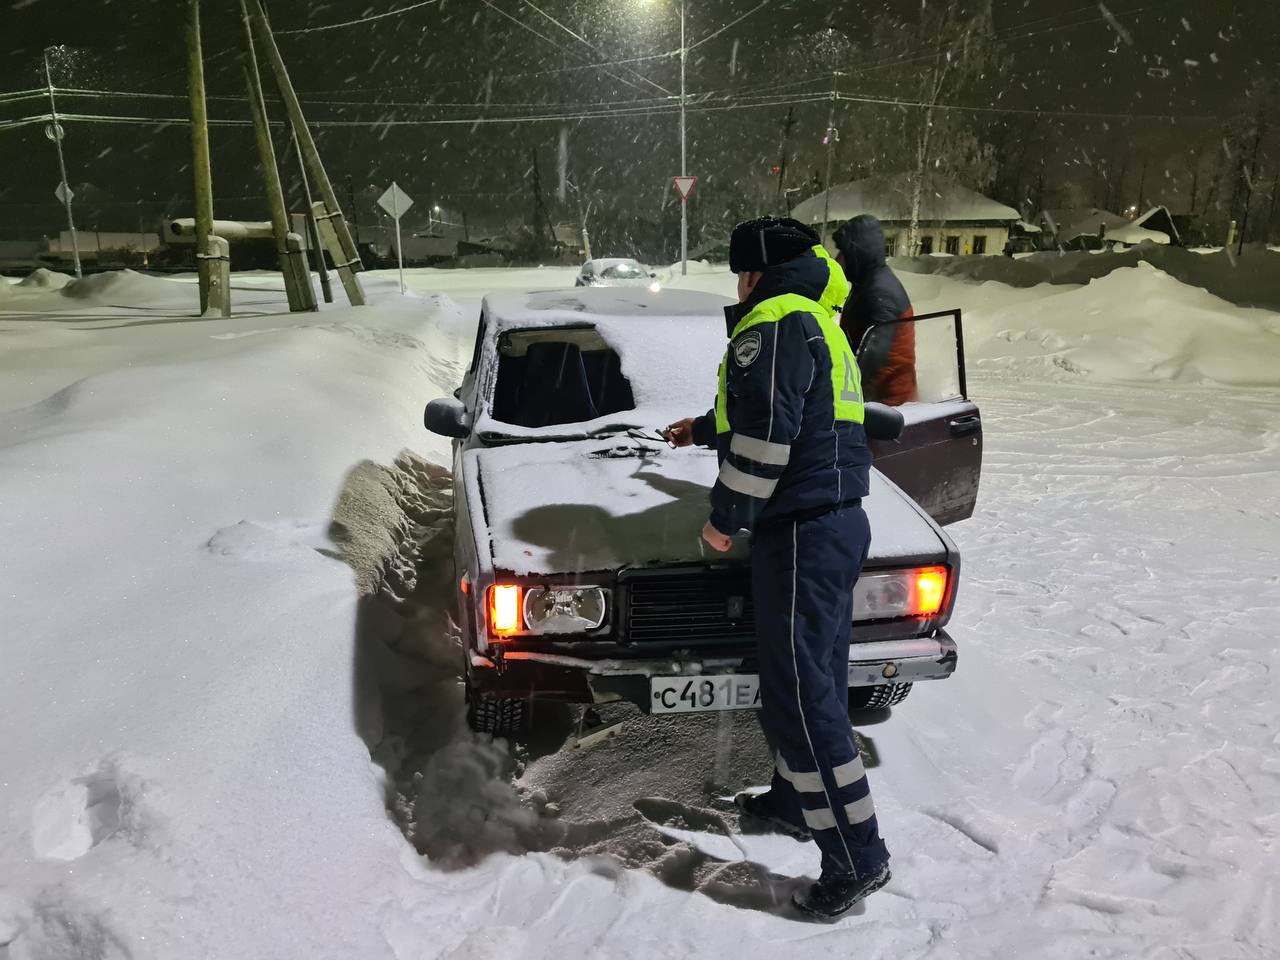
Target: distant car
[
  {"x": 580, "y": 571},
  {"x": 614, "y": 272}
]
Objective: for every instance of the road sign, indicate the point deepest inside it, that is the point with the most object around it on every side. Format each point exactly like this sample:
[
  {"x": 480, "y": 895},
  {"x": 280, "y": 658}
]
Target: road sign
[
  {"x": 684, "y": 186},
  {"x": 64, "y": 194},
  {"x": 395, "y": 201}
]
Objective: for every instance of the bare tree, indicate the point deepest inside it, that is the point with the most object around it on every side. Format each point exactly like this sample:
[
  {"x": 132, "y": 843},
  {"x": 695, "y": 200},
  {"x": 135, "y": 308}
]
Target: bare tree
[{"x": 958, "y": 39}]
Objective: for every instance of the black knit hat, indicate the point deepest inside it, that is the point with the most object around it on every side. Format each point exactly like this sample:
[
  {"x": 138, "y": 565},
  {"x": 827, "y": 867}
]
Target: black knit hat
[{"x": 766, "y": 242}]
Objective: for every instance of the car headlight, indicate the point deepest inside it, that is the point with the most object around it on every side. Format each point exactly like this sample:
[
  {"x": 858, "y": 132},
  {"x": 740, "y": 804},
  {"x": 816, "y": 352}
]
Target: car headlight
[
  {"x": 890, "y": 594},
  {"x": 515, "y": 609}
]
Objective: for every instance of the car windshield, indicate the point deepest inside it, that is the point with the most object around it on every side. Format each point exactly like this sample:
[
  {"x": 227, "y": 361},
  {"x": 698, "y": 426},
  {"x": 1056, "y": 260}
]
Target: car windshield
[
  {"x": 624, "y": 271},
  {"x": 555, "y": 376}
]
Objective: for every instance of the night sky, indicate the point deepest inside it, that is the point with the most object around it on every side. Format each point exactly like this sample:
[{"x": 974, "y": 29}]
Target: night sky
[{"x": 1188, "y": 58}]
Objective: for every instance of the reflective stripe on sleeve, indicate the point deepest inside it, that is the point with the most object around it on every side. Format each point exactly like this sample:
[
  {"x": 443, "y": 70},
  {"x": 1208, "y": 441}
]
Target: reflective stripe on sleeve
[
  {"x": 740, "y": 482},
  {"x": 850, "y": 772},
  {"x": 822, "y": 819},
  {"x": 761, "y": 451},
  {"x": 803, "y": 782},
  {"x": 860, "y": 811}
]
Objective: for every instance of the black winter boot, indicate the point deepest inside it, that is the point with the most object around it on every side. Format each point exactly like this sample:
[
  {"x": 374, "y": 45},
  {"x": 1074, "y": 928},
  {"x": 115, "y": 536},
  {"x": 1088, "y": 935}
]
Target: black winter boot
[{"x": 835, "y": 894}]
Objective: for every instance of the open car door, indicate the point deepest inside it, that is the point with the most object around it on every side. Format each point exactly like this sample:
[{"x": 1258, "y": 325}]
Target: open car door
[{"x": 917, "y": 366}]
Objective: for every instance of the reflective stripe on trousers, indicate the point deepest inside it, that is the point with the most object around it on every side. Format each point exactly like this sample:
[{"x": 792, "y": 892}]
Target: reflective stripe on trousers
[{"x": 803, "y": 574}]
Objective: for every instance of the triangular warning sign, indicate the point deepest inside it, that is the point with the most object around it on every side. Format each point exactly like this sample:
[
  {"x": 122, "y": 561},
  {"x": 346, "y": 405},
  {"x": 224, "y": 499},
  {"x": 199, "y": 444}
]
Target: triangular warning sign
[{"x": 684, "y": 186}]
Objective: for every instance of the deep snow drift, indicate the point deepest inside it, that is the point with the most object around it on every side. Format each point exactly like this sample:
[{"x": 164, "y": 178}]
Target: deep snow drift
[{"x": 194, "y": 681}]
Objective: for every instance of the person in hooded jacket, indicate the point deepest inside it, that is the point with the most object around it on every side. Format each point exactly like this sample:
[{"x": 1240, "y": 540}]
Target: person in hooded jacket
[
  {"x": 788, "y": 425},
  {"x": 888, "y": 357}
]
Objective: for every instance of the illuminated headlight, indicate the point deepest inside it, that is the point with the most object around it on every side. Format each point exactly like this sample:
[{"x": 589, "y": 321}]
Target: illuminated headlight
[
  {"x": 655, "y": 287},
  {"x": 564, "y": 609},
  {"x": 515, "y": 610},
  {"x": 890, "y": 594}
]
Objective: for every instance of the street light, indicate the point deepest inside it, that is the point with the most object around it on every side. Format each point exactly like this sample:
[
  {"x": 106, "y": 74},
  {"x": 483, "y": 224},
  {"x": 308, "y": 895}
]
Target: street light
[{"x": 684, "y": 153}]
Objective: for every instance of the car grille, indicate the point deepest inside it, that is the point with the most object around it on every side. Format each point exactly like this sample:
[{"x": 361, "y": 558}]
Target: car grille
[{"x": 700, "y": 608}]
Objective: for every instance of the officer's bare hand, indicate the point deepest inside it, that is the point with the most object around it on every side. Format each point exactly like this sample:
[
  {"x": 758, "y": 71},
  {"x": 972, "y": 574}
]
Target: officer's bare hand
[
  {"x": 717, "y": 540},
  {"x": 681, "y": 432}
]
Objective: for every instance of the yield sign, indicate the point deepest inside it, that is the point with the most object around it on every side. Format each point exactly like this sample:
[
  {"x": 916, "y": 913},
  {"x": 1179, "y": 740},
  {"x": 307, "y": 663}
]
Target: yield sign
[
  {"x": 684, "y": 186},
  {"x": 395, "y": 201}
]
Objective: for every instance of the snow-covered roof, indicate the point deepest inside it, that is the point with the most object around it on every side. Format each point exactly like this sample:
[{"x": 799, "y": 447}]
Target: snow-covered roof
[
  {"x": 1067, "y": 223},
  {"x": 888, "y": 198}
]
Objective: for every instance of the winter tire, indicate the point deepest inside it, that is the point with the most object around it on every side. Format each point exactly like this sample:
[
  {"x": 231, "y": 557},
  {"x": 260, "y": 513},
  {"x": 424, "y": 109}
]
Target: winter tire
[
  {"x": 878, "y": 697},
  {"x": 500, "y": 717}
]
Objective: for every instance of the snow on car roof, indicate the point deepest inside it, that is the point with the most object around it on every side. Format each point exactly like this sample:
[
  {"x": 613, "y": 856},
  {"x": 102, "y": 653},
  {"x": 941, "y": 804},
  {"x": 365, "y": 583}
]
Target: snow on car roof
[{"x": 605, "y": 262}]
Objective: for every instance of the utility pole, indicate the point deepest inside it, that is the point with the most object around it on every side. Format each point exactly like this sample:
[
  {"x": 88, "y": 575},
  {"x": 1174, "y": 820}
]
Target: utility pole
[
  {"x": 333, "y": 225},
  {"x": 684, "y": 154},
  {"x": 313, "y": 232},
  {"x": 297, "y": 281},
  {"x": 201, "y": 166},
  {"x": 56, "y": 133},
  {"x": 786, "y": 151},
  {"x": 831, "y": 145}
]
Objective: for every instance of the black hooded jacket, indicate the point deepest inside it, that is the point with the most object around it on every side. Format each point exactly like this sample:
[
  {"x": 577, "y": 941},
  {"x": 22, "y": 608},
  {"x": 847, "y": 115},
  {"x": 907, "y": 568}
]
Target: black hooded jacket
[{"x": 887, "y": 362}]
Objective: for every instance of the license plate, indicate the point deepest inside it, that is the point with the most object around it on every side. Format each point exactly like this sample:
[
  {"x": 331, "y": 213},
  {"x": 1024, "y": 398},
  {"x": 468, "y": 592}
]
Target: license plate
[{"x": 723, "y": 691}]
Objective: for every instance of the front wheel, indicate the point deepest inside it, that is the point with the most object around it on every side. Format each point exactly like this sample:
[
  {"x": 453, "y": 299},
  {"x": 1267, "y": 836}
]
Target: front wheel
[
  {"x": 497, "y": 716},
  {"x": 879, "y": 697}
]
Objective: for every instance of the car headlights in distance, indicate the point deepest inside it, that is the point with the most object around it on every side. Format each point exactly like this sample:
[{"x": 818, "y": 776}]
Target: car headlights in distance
[
  {"x": 894, "y": 594},
  {"x": 565, "y": 609}
]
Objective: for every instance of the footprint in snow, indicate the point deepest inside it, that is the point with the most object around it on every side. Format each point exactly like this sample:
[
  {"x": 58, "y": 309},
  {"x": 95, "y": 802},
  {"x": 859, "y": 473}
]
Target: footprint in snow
[
  {"x": 270, "y": 542},
  {"x": 73, "y": 819}
]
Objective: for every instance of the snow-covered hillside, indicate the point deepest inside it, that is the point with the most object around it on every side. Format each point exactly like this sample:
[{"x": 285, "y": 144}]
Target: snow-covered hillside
[{"x": 193, "y": 680}]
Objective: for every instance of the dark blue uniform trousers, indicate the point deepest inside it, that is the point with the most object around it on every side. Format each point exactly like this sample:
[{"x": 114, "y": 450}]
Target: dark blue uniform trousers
[{"x": 803, "y": 574}]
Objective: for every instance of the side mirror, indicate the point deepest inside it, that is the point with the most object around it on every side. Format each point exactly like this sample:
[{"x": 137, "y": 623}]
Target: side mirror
[
  {"x": 448, "y": 418},
  {"x": 653, "y": 276},
  {"x": 883, "y": 423}
]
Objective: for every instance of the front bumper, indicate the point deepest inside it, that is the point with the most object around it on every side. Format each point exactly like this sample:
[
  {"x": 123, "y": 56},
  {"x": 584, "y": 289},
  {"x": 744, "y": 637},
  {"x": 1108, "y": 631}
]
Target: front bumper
[{"x": 551, "y": 676}]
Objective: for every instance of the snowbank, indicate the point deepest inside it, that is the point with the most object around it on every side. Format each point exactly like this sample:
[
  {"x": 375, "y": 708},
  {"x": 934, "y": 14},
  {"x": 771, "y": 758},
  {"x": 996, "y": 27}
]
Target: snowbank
[
  {"x": 1250, "y": 280},
  {"x": 1135, "y": 324},
  {"x": 44, "y": 279}
]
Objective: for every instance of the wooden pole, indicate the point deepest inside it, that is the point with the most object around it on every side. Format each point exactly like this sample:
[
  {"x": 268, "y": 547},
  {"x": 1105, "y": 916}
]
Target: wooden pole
[
  {"x": 293, "y": 271},
  {"x": 201, "y": 166},
  {"x": 313, "y": 234},
  {"x": 299, "y": 123}
]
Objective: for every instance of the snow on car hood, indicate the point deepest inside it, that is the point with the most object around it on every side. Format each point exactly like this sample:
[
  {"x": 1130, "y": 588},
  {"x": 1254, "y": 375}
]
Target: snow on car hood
[{"x": 617, "y": 502}]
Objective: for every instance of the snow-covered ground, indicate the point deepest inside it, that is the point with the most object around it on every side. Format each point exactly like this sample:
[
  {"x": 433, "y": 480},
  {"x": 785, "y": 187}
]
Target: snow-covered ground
[{"x": 193, "y": 683}]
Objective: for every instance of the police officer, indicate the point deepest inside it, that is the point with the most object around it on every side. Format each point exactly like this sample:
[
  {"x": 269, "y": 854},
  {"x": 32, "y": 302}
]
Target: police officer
[{"x": 794, "y": 465}]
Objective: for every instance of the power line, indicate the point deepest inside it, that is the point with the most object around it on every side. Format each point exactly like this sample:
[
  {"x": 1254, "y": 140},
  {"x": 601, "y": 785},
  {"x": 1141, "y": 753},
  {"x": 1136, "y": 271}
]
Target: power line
[
  {"x": 352, "y": 23},
  {"x": 727, "y": 26},
  {"x": 542, "y": 36},
  {"x": 594, "y": 49},
  {"x": 1026, "y": 111}
]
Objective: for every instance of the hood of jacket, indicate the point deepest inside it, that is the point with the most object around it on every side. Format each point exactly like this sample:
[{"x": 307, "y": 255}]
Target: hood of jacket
[{"x": 861, "y": 242}]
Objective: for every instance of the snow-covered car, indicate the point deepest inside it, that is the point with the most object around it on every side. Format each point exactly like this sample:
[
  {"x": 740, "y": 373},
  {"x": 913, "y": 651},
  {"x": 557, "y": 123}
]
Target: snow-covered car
[
  {"x": 581, "y": 573},
  {"x": 614, "y": 272}
]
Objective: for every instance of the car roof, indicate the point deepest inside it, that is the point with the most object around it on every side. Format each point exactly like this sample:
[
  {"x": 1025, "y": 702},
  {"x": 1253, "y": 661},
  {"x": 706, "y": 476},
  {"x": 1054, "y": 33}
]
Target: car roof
[
  {"x": 599, "y": 305},
  {"x": 603, "y": 262}
]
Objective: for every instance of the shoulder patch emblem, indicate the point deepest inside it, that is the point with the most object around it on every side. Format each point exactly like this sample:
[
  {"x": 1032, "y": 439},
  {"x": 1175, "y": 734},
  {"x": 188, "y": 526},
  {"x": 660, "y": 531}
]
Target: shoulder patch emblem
[{"x": 746, "y": 349}]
